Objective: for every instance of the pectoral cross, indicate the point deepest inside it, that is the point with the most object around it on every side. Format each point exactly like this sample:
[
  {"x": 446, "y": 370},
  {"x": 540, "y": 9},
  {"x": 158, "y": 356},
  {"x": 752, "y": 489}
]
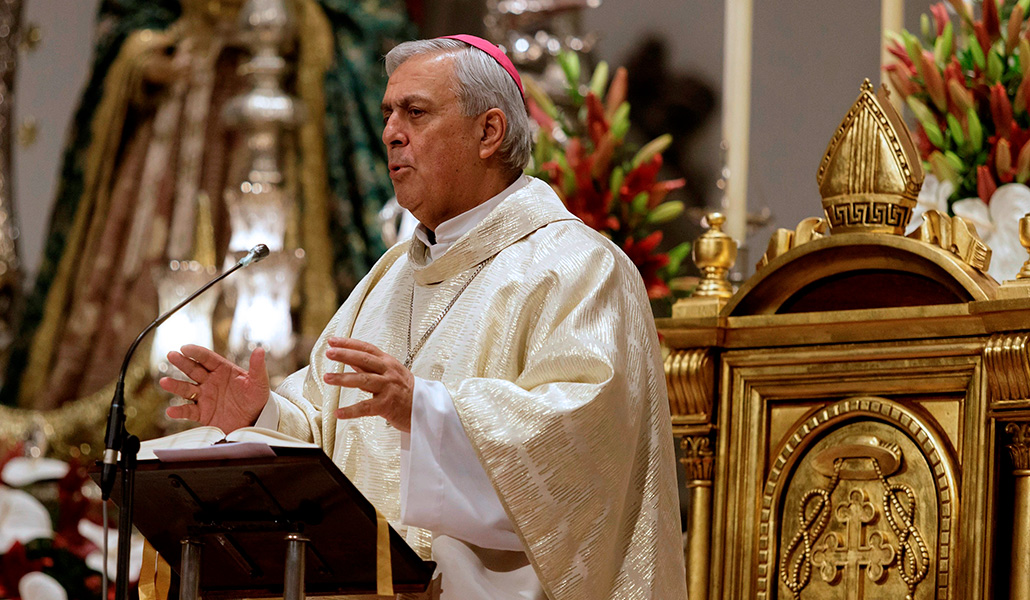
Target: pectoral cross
[{"x": 834, "y": 556}]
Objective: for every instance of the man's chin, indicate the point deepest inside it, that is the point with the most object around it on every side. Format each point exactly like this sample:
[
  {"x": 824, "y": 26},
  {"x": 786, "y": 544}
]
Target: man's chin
[{"x": 405, "y": 199}]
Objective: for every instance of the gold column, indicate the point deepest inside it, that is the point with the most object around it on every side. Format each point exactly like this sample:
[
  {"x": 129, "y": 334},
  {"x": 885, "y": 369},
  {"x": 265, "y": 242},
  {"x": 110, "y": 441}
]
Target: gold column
[
  {"x": 1019, "y": 450},
  {"x": 698, "y": 461}
]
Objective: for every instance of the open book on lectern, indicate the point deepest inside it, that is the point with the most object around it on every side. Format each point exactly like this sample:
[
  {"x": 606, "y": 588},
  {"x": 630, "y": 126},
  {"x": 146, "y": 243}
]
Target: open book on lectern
[
  {"x": 240, "y": 509},
  {"x": 210, "y": 443}
]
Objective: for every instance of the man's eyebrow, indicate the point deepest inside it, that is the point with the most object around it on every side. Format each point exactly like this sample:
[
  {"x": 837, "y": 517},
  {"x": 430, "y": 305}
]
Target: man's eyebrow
[{"x": 405, "y": 102}]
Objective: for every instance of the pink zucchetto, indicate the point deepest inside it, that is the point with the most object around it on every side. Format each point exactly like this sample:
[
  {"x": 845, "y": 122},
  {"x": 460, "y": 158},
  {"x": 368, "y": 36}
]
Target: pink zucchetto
[{"x": 495, "y": 52}]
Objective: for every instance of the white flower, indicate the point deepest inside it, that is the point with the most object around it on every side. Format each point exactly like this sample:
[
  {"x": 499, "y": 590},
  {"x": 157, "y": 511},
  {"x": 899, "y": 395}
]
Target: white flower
[
  {"x": 22, "y": 519},
  {"x": 40, "y": 586},
  {"x": 95, "y": 560},
  {"x": 998, "y": 226},
  {"x": 932, "y": 196},
  {"x": 20, "y": 471}
]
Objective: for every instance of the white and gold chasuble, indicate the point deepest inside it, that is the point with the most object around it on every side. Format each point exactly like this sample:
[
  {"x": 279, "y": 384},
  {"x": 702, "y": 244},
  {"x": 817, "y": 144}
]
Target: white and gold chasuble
[{"x": 551, "y": 358}]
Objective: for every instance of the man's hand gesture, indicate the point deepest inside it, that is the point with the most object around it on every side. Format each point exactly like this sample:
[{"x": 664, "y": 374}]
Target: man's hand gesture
[
  {"x": 220, "y": 393},
  {"x": 376, "y": 372}
]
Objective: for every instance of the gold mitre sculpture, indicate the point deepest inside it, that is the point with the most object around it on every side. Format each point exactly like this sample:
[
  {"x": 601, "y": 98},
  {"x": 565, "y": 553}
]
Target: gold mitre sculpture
[{"x": 870, "y": 176}]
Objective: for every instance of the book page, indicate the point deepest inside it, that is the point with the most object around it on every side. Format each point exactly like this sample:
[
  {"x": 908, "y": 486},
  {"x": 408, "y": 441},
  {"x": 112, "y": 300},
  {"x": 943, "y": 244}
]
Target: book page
[
  {"x": 267, "y": 436},
  {"x": 191, "y": 438},
  {"x": 216, "y": 452}
]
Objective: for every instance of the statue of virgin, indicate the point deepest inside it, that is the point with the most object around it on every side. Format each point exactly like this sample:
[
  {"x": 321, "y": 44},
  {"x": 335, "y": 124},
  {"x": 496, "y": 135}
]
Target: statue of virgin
[{"x": 148, "y": 139}]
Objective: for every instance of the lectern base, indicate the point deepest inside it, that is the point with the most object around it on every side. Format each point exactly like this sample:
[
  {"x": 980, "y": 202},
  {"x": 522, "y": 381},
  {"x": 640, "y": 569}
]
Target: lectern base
[{"x": 293, "y": 578}]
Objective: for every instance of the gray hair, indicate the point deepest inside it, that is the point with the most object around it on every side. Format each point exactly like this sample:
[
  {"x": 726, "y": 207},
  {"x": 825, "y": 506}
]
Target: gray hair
[{"x": 482, "y": 84}]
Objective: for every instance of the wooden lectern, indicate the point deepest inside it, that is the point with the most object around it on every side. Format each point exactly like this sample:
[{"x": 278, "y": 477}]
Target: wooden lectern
[{"x": 268, "y": 527}]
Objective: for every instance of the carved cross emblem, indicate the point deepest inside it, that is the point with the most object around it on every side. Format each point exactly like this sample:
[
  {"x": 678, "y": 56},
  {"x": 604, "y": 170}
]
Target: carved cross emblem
[{"x": 842, "y": 559}]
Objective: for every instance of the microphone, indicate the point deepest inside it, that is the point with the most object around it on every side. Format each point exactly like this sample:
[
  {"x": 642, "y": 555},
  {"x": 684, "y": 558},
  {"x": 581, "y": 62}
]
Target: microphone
[
  {"x": 255, "y": 254},
  {"x": 116, "y": 417}
]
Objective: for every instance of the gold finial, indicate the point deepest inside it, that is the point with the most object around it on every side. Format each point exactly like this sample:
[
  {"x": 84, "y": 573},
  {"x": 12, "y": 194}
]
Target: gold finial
[
  {"x": 1024, "y": 239},
  {"x": 714, "y": 253},
  {"x": 870, "y": 176}
]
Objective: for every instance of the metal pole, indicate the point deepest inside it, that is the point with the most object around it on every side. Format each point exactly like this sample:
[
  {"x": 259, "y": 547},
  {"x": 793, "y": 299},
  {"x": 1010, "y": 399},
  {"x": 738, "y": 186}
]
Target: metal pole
[
  {"x": 1020, "y": 588},
  {"x": 699, "y": 536},
  {"x": 1019, "y": 451},
  {"x": 189, "y": 580},
  {"x": 130, "y": 447},
  {"x": 293, "y": 581}
]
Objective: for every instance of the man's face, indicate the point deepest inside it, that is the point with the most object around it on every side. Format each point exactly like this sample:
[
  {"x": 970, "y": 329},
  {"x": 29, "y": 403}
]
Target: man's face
[{"x": 432, "y": 147}]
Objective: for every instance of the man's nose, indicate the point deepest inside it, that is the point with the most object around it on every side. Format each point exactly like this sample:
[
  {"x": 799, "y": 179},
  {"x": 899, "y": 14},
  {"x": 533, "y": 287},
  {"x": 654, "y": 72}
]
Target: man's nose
[{"x": 393, "y": 134}]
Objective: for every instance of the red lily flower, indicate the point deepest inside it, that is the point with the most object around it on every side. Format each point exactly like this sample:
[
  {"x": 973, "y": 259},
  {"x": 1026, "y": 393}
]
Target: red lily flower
[
  {"x": 985, "y": 185},
  {"x": 953, "y": 72},
  {"x": 982, "y": 36},
  {"x": 933, "y": 81},
  {"x": 552, "y": 170},
  {"x": 901, "y": 80},
  {"x": 940, "y": 16},
  {"x": 647, "y": 262},
  {"x": 991, "y": 21},
  {"x": 539, "y": 115},
  {"x": 597, "y": 125},
  {"x": 900, "y": 53},
  {"x": 589, "y": 200},
  {"x": 999, "y": 159},
  {"x": 661, "y": 189},
  {"x": 1001, "y": 108},
  {"x": 640, "y": 179},
  {"x": 923, "y": 144}
]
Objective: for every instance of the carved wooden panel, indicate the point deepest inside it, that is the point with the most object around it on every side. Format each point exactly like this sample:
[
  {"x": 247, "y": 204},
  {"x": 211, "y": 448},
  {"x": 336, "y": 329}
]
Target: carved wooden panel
[{"x": 858, "y": 505}]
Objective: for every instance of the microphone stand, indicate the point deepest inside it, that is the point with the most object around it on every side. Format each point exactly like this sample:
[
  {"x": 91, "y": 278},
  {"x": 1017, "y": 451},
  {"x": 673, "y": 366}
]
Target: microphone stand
[{"x": 119, "y": 440}]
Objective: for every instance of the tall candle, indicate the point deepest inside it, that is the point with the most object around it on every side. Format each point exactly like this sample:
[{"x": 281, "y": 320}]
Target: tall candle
[
  {"x": 892, "y": 18},
  {"x": 736, "y": 112}
]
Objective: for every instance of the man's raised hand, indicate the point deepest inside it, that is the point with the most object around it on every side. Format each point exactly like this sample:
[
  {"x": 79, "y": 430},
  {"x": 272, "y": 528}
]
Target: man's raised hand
[
  {"x": 219, "y": 393},
  {"x": 376, "y": 372}
]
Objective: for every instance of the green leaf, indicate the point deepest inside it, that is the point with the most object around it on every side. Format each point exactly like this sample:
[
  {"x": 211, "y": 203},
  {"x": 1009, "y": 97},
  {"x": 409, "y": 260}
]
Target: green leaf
[
  {"x": 956, "y": 130},
  {"x": 925, "y": 28},
  {"x": 541, "y": 98},
  {"x": 541, "y": 151},
  {"x": 978, "y": 54},
  {"x": 942, "y": 47},
  {"x": 599, "y": 80},
  {"x": 655, "y": 146},
  {"x": 1026, "y": 6},
  {"x": 665, "y": 212},
  {"x": 568, "y": 184},
  {"x": 941, "y": 167},
  {"x": 912, "y": 47},
  {"x": 956, "y": 163},
  {"x": 639, "y": 204},
  {"x": 933, "y": 133},
  {"x": 920, "y": 110},
  {"x": 976, "y": 132},
  {"x": 618, "y": 175},
  {"x": 620, "y": 121},
  {"x": 995, "y": 66},
  {"x": 676, "y": 257},
  {"x": 569, "y": 62}
]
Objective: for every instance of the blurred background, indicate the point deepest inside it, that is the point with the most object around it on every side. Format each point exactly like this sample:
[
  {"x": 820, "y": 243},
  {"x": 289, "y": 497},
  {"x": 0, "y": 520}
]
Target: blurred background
[{"x": 808, "y": 60}]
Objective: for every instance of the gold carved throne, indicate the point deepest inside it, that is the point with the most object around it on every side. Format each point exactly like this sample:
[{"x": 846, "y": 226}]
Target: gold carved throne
[{"x": 855, "y": 419}]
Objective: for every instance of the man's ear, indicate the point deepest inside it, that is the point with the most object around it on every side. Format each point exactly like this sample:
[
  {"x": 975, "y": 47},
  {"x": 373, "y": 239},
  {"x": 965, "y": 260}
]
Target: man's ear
[{"x": 494, "y": 126}]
